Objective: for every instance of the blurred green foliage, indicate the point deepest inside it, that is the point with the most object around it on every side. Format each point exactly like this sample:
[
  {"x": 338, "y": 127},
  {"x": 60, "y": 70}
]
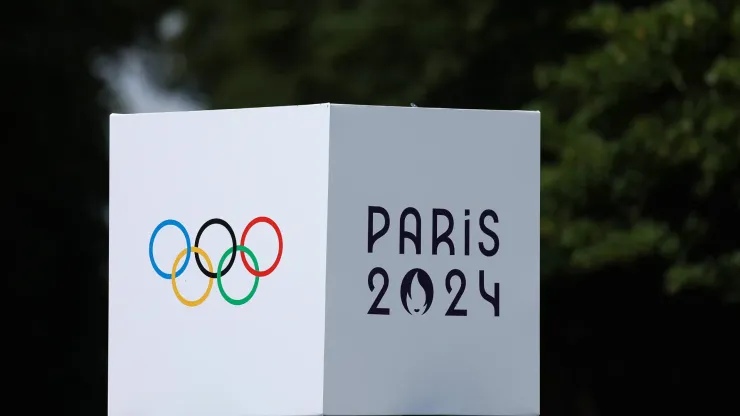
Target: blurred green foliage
[
  {"x": 642, "y": 145},
  {"x": 474, "y": 53}
]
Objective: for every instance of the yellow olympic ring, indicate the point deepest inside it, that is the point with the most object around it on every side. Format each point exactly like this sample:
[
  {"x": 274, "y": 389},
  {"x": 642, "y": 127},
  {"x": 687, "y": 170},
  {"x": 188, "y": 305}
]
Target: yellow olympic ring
[{"x": 179, "y": 257}]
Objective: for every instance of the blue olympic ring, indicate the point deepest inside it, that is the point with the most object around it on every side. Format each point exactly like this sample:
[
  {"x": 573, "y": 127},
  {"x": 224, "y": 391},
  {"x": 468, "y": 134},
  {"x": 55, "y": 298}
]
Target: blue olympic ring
[{"x": 159, "y": 271}]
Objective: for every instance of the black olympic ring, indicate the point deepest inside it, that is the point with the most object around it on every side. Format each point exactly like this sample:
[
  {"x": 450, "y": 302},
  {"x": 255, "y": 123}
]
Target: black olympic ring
[{"x": 226, "y": 225}]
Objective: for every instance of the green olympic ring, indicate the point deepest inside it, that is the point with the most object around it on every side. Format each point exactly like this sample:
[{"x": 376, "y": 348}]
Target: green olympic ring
[{"x": 251, "y": 293}]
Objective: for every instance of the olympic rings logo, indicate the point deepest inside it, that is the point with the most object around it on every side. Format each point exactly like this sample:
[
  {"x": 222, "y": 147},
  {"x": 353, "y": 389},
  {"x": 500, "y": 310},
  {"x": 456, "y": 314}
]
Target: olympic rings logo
[{"x": 230, "y": 253}]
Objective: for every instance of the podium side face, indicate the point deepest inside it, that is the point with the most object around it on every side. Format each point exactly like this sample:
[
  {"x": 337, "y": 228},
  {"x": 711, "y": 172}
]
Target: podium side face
[
  {"x": 433, "y": 262},
  {"x": 217, "y": 198}
]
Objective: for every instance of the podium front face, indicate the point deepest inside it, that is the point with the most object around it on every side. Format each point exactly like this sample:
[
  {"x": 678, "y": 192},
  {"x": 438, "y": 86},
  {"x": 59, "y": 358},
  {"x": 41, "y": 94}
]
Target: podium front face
[
  {"x": 200, "y": 204},
  {"x": 432, "y": 297}
]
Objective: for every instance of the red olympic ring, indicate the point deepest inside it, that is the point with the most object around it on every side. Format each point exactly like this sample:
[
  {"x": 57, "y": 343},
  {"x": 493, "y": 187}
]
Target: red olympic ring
[{"x": 275, "y": 227}]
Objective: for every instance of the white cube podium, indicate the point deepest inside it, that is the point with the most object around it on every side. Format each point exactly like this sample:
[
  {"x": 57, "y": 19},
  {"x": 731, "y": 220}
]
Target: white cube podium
[{"x": 324, "y": 259}]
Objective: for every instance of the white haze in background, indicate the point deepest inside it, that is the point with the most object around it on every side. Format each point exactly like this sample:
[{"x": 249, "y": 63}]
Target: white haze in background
[{"x": 134, "y": 87}]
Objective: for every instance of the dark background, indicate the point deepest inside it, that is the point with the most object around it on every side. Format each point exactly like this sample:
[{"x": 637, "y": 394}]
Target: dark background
[{"x": 640, "y": 176}]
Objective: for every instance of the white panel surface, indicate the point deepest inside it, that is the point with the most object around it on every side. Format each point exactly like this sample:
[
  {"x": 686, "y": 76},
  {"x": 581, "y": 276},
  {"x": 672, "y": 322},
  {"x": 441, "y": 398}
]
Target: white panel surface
[{"x": 263, "y": 357}]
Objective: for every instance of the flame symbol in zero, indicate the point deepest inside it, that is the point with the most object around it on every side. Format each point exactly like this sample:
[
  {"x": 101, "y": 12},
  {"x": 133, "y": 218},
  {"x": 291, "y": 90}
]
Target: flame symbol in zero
[{"x": 424, "y": 281}]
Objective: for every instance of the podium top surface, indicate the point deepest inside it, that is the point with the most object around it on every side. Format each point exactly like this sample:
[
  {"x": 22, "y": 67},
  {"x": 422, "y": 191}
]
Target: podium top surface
[{"x": 331, "y": 105}]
